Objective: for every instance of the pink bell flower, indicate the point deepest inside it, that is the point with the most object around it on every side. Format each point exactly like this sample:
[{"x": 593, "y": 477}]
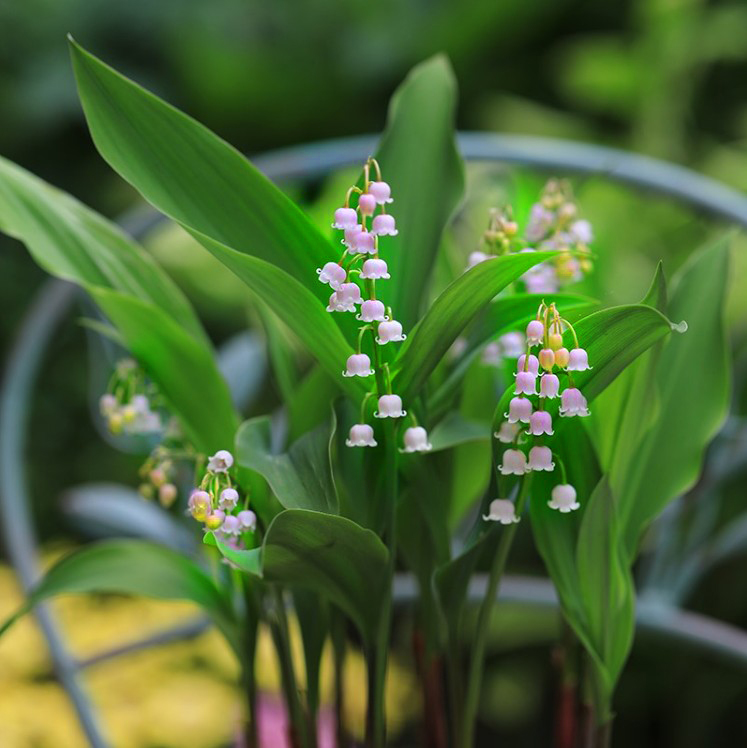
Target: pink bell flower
[
  {"x": 549, "y": 386},
  {"x": 247, "y": 519},
  {"x": 533, "y": 365},
  {"x": 362, "y": 243},
  {"x": 367, "y": 204},
  {"x": 519, "y": 409},
  {"x": 345, "y": 298},
  {"x": 535, "y": 332},
  {"x": 540, "y": 423},
  {"x": 526, "y": 383},
  {"x": 231, "y": 525},
  {"x": 416, "y": 440},
  {"x": 358, "y": 365},
  {"x": 390, "y": 406},
  {"x": 220, "y": 462},
  {"x": 563, "y": 498},
  {"x": 381, "y": 192},
  {"x": 476, "y": 258},
  {"x": 507, "y": 433},
  {"x": 513, "y": 344},
  {"x": 501, "y": 510},
  {"x": 349, "y": 234},
  {"x": 375, "y": 269},
  {"x": 540, "y": 458},
  {"x": 390, "y": 331},
  {"x": 345, "y": 218},
  {"x": 228, "y": 498},
  {"x": 333, "y": 274},
  {"x": 573, "y": 403},
  {"x": 372, "y": 310},
  {"x": 578, "y": 360},
  {"x": 383, "y": 225},
  {"x": 361, "y": 435},
  {"x": 514, "y": 463}
]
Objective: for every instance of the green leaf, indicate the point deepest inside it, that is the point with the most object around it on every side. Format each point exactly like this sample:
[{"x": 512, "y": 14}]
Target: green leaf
[
  {"x": 246, "y": 560},
  {"x": 692, "y": 379},
  {"x": 72, "y": 242},
  {"x": 331, "y": 556},
  {"x": 454, "y": 430},
  {"x": 420, "y": 161},
  {"x": 135, "y": 567},
  {"x": 191, "y": 175},
  {"x": 300, "y": 478},
  {"x": 452, "y": 311},
  {"x": 184, "y": 370},
  {"x": 313, "y": 620}
]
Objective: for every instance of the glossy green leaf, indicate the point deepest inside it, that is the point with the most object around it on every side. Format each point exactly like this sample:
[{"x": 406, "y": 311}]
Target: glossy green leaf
[
  {"x": 175, "y": 361},
  {"x": 693, "y": 383},
  {"x": 135, "y": 567},
  {"x": 249, "y": 561},
  {"x": 455, "y": 429},
  {"x": 191, "y": 174},
  {"x": 301, "y": 478},
  {"x": 72, "y": 242},
  {"x": 452, "y": 311},
  {"x": 331, "y": 556},
  {"x": 420, "y": 161}
]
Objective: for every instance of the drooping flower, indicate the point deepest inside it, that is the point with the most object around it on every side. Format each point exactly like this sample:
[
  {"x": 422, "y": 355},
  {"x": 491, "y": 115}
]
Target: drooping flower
[
  {"x": 492, "y": 354},
  {"x": 540, "y": 221},
  {"x": 573, "y": 403},
  {"x": 228, "y": 499},
  {"x": 540, "y": 423},
  {"x": 375, "y": 269},
  {"x": 501, "y": 510},
  {"x": 526, "y": 383},
  {"x": 345, "y": 298},
  {"x": 220, "y": 462},
  {"x": 345, "y": 218},
  {"x": 549, "y": 386},
  {"x": 507, "y": 433},
  {"x": 390, "y": 331},
  {"x": 532, "y": 365},
  {"x": 361, "y": 435},
  {"x": 362, "y": 242},
  {"x": 514, "y": 463},
  {"x": 578, "y": 360},
  {"x": 390, "y": 406},
  {"x": 333, "y": 274},
  {"x": 247, "y": 520},
  {"x": 384, "y": 225},
  {"x": 199, "y": 504},
  {"x": 513, "y": 344},
  {"x": 416, "y": 440},
  {"x": 562, "y": 357},
  {"x": 541, "y": 279},
  {"x": 563, "y": 498},
  {"x": 349, "y": 234},
  {"x": 381, "y": 192},
  {"x": 535, "y": 332},
  {"x": 540, "y": 458},
  {"x": 372, "y": 310},
  {"x": 215, "y": 519},
  {"x": 476, "y": 258},
  {"x": 358, "y": 365},
  {"x": 367, "y": 204},
  {"x": 519, "y": 409},
  {"x": 546, "y": 359},
  {"x": 231, "y": 525}
]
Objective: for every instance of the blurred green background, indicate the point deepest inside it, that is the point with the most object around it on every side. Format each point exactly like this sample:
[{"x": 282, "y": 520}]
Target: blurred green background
[{"x": 662, "y": 77}]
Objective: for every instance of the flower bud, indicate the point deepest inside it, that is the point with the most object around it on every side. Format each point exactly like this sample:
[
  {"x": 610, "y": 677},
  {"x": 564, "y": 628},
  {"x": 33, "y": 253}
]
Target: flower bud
[
  {"x": 547, "y": 359},
  {"x": 157, "y": 477},
  {"x": 563, "y": 498},
  {"x": 555, "y": 341},
  {"x": 367, "y": 204},
  {"x": 167, "y": 494},
  {"x": 146, "y": 490},
  {"x": 199, "y": 504},
  {"x": 115, "y": 422},
  {"x": 561, "y": 357},
  {"x": 215, "y": 519},
  {"x": 361, "y": 435},
  {"x": 501, "y": 510}
]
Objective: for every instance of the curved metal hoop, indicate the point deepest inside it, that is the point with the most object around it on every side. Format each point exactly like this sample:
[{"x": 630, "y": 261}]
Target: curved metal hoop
[{"x": 305, "y": 162}]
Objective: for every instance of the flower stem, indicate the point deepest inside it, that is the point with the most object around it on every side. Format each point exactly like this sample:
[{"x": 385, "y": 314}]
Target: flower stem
[{"x": 476, "y": 665}]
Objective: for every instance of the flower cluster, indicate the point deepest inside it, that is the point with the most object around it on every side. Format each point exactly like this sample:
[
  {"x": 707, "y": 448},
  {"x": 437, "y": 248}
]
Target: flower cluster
[
  {"x": 499, "y": 238},
  {"x": 353, "y": 282},
  {"x": 159, "y": 477},
  {"x": 216, "y": 503},
  {"x": 127, "y": 405},
  {"x": 554, "y": 224},
  {"x": 528, "y": 407}
]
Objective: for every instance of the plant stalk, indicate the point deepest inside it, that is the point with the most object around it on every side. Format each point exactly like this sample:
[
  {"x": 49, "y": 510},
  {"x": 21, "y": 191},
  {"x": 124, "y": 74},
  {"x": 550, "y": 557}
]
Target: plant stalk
[{"x": 476, "y": 665}]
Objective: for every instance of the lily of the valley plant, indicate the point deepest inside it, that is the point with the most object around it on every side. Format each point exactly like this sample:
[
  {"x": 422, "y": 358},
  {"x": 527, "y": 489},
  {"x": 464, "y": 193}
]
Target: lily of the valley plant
[{"x": 556, "y": 402}]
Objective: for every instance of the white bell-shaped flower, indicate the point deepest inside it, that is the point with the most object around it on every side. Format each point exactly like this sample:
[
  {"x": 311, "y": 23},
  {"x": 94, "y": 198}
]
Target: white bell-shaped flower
[
  {"x": 247, "y": 520},
  {"x": 573, "y": 403},
  {"x": 532, "y": 366},
  {"x": 366, "y": 204},
  {"x": 372, "y": 310},
  {"x": 563, "y": 498},
  {"x": 519, "y": 409},
  {"x": 390, "y": 331},
  {"x": 358, "y": 365},
  {"x": 540, "y": 458},
  {"x": 578, "y": 360},
  {"x": 507, "y": 432},
  {"x": 332, "y": 273},
  {"x": 416, "y": 440},
  {"x": 381, "y": 192},
  {"x": 375, "y": 269},
  {"x": 345, "y": 218},
  {"x": 220, "y": 462},
  {"x": 384, "y": 225},
  {"x": 535, "y": 332},
  {"x": 501, "y": 510},
  {"x": 514, "y": 463},
  {"x": 390, "y": 406},
  {"x": 361, "y": 435},
  {"x": 228, "y": 498},
  {"x": 549, "y": 385},
  {"x": 362, "y": 243}
]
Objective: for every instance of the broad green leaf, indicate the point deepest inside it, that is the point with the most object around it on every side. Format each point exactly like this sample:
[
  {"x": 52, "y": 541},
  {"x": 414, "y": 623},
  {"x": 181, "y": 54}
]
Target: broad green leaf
[
  {"x": 693, "y": 383},
  {"x": 420, "y": 161},
  {"x": 452, "y": 311},
  {"x": 135, "y": 567},
  {"x": 455, "y": 430},
  {"x": 331, "y": 556},
  {"x": 72, "y": 242},
  {"x": 184, "y": 370},
  {"x": 300, "y": 478},
  {"x": 249, "y": 561},
  {"x": 192, "y": 175}
]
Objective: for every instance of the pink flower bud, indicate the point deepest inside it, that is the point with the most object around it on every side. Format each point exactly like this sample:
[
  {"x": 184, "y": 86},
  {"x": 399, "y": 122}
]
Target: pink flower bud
[
  {"x": 535, "y": 332},
  {"x": 549, "y": 386},
  {"x": 507, "y": 432},
  {"x": 361, "y": 435},
  {"x": 519, "y": 409},
  {"x": 533, "y": 365},
  {"x": 526, "y": 383},
  {"x": 540, "y": 458},
  {"x": 416, "y": 440},
  {"x": 573, "y": 403},
  {"x": 390, "y": 331},
  {"x": 345, "y": 218},
  {"x": 383, "y": 225},
  {"x": 375, "y": 269},
  {"x": 372, "y": 310},
  {"x": 333, "y": 274},
  {"x": 220, "y": 462},
  {"x": 381, "y": 192},
  {"x": 578, "y": 360},
  {"x": 228, "y": 499},
  {"x": 514, "y": 463},
  {"x": 563, "y": 498},
  {"x": 561, "y": 357},
  {"x": 167, "y": 494},
  {"x": 367, "y": 204},
  {"x": 501, "y": 510},
  {"x": 547, "y": 358},
  {"x": 247, "y": 519},
  {"x": 362, "y": 242},
  {"x": 359, "y": 365},
  {"x": 390, "y": 406},
  {"x": 214, "y": 520},
  {"x": 540, "y": 423}
]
